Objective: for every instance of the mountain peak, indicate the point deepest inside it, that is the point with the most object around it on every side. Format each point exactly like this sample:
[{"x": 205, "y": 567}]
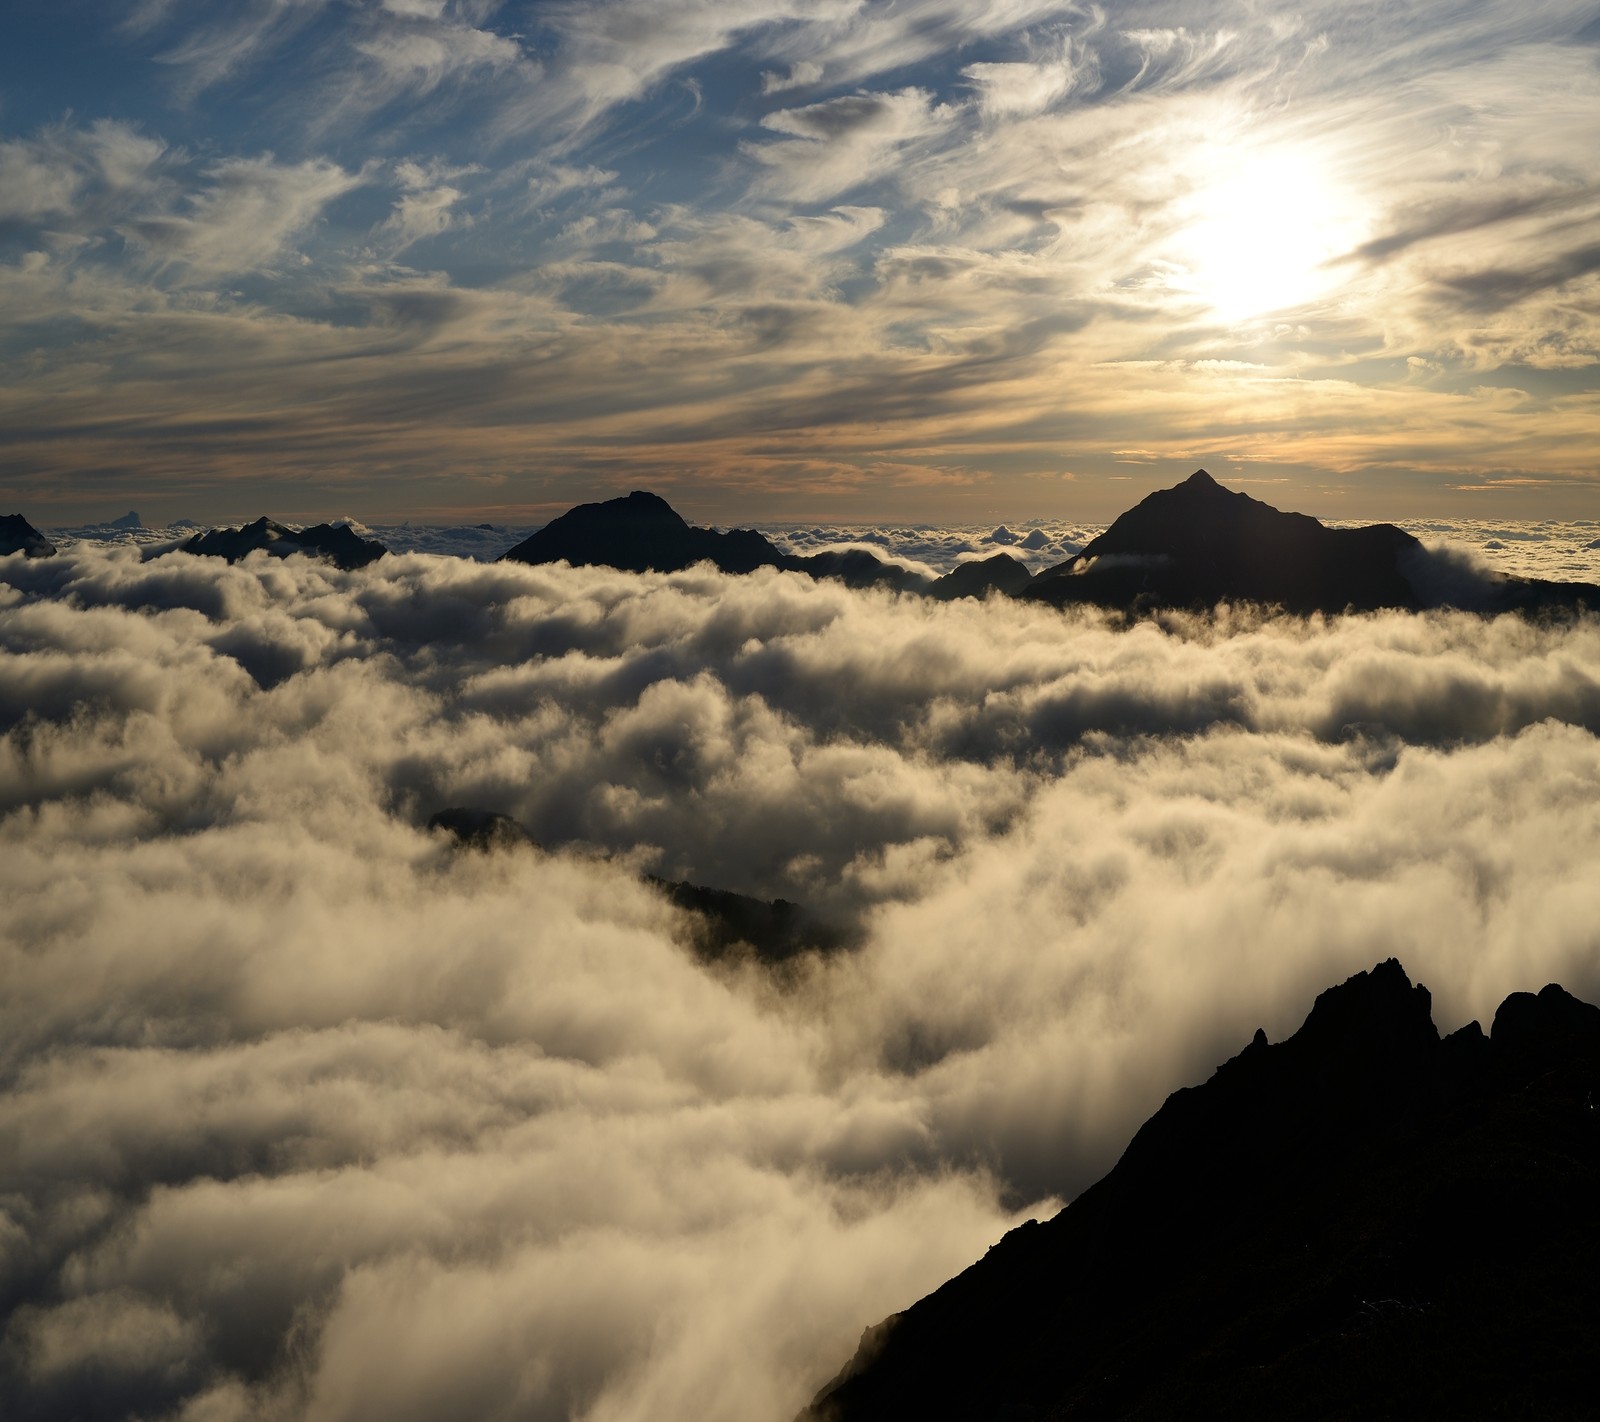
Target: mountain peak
[
  {"x": 638, "y": 532},
  {"x": 1199, "y": 543},
  {"x": 642, "y": 499},
  {"x": 17, "y": 535}
]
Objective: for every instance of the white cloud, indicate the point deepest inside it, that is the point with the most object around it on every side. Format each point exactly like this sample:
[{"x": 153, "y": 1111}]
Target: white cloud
[
  {"x": 32, "y": 188},
  {"x": 244, "y": 217},
  {"x": 427, "y": 201},
  {"x": 63, "y": 172},
  {"x": 419, "y": 61},
  {"x": 216, "y": 52},
  {"x": 828, "y": 148},
  {"x": 800, "y": 75},
  {"x": 1017, "y": 89}
]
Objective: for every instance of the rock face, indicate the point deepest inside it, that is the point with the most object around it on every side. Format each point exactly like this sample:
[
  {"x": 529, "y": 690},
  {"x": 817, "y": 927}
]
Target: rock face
[
  {"x": 17, "y": 535},
  {"x": 1198, "y": 543},
  {"x": 335, "y": 543},
  {"x": 1363, "y": 1220}
]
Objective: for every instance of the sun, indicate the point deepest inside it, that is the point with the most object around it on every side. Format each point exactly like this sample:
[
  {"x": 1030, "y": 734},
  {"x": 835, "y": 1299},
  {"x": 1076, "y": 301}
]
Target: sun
[{"x": 1257, "y": 233}]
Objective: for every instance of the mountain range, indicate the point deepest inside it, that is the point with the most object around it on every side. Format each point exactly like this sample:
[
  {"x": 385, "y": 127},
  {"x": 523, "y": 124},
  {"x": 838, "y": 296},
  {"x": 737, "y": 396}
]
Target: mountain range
[
  {"x": 642, "y": 532},
  {"x": 336, "y": 543},
  {"x": 1192, "y": 546},
  {"x": 1364, "y": 1220}
]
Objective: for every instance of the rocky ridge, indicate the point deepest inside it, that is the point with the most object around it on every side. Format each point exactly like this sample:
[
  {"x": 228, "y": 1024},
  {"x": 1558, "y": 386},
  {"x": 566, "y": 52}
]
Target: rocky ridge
[
  {"x": 334, "y": 543},
  {"x": 1362, "y": 1220}
]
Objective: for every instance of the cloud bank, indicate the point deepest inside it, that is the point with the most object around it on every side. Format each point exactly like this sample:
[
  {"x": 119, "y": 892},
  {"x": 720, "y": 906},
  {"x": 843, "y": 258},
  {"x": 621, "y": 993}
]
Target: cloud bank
[{"x": 305, "y": 1114}]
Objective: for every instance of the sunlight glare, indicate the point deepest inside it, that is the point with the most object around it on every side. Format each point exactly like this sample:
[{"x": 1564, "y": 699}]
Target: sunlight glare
[{"x": 1258, "y": 235}]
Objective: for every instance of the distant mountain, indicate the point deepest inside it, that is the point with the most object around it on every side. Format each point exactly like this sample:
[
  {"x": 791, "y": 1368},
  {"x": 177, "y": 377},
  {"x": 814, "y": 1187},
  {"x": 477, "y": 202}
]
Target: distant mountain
[
  {"x": 1198, "y": 544},
  {"x": 1191, "y": 546},
  {"x": 999, "y": 573},
  {"x": 1362, "y": 1221},
  {"x": 17, "y": 535},
  {"x": 129, "y": 520},
  {"x": 335, "y": 543},
  {"x": 724, "y": 921},
  {"x": 859, "y": 568},
  {"x": 644, "y": 533}
]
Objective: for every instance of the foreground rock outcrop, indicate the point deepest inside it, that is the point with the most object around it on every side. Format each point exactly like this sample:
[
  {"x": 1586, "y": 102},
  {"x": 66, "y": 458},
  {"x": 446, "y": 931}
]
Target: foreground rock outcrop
[
  {"x": 1361, "y": 1221},
  {"x": 17, "y": 535},
  {"x": 335, "y": 543}
]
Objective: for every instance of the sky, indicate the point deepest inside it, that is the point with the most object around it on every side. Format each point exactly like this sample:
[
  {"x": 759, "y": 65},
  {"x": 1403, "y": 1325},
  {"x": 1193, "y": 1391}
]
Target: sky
[
  {"x": 308, "y": 1116},
  {"x": 813, "y": 259}
]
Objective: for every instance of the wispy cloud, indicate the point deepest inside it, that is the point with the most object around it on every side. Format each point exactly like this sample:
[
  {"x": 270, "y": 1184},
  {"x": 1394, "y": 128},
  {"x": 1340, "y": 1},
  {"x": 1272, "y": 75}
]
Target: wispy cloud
[
  {"x": 241, "y": 218},
  {"x": 1312, "y": 240}
]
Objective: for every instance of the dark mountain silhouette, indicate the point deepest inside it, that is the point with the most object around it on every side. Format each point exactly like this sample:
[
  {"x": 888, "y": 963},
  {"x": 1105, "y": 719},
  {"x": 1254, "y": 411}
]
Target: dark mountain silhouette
[
  {"x": 17, "y": 535},
  {"x": 1362, "y": 1221},
  {"x": 999, "y": 573},
  {"x": 1191, "y": 546},
  {"x": 336, "y": 543},
  {"x": 1199, "y": 544},
  {"x": 859, "y": 568},
  {"x": 725, "y": 923},
  {"x": 129, "y": 520},
  {"x": 644, "y": 533}
]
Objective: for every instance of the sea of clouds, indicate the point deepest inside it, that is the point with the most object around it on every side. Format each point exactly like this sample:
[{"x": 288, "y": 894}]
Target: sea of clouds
[{"x": 307, "y": 1114}]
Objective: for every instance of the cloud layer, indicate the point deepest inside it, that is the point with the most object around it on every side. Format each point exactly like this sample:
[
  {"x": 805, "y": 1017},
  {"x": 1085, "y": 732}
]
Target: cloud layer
[{"x": 306, "y": 1114}]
